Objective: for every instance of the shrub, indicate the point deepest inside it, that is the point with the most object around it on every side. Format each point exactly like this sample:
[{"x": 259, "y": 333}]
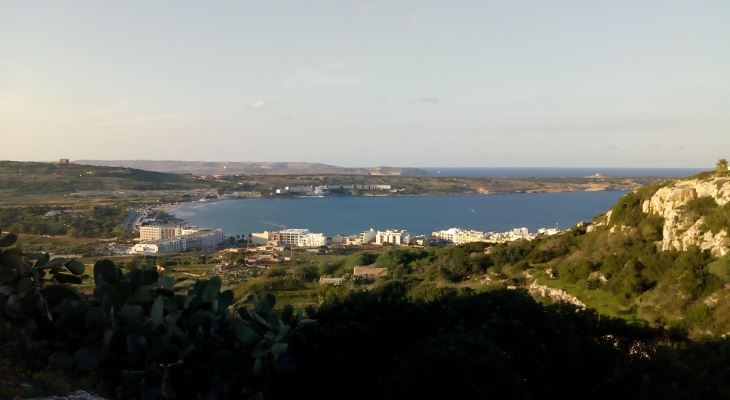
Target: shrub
[
  {"x": 330, "y": 267},
  {"x": 718, "y": 220},
  {"x": 574, "y": 272},
  {"x": 138, "y": 334}
]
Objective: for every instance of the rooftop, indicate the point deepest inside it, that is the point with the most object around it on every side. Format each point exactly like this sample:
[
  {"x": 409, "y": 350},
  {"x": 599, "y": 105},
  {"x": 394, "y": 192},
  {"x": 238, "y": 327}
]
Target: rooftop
[{"x": 295, "y": 231}]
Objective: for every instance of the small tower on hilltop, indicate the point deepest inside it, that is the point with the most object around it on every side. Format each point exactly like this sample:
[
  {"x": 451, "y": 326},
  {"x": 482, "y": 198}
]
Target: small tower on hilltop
[{"x": 64, "y": 162}]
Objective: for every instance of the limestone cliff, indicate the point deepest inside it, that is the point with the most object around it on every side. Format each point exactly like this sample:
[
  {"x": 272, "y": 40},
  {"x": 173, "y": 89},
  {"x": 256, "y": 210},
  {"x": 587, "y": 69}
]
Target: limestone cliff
[{"x": 681, "y": 228}]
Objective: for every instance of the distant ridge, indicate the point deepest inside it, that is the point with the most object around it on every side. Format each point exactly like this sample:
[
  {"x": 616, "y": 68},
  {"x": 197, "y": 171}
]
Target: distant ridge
[{"x": 251, "y": 168}]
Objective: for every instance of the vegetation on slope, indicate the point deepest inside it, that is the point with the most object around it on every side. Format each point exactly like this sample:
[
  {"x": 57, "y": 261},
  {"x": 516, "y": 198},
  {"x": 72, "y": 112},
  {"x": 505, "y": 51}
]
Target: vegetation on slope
[
  {"x": 140, "y": 337},
  {"x": 620, "y": 259},
  {"x": 99, "y": 221},
  {"x": 617, "y": 269},
  {"x": 716, "y": 217},
  {"x": 136, "y": 334},
  {"x": 30, "y": 178}
]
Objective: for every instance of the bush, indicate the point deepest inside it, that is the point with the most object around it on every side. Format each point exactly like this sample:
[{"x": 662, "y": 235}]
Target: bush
[
  {"x": 718, "y": 220},
  {"x": 138, "y": 334},
  {"x": 627, "y": 211},
  {"x": 330, "y": 267},
  {"x": 305, "y": 273},
  {"x": 398, "y": 258},
  {"x": 510, "y": 253},
  {"x": 574, "y": 272},
  {"x": 359, "y": 259}
]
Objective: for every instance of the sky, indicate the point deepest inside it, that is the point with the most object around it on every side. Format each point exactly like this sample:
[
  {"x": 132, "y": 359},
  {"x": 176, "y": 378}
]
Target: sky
[{"x": 621, "y": 83}]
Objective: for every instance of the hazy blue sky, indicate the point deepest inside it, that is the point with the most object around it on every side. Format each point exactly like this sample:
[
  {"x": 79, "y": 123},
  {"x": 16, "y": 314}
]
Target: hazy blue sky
[{"x": 419, "y": 83}]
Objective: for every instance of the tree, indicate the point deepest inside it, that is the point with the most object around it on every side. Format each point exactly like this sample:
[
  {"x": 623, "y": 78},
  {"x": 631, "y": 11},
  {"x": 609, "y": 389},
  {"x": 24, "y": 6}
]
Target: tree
[{"x": 721, "y": 166}]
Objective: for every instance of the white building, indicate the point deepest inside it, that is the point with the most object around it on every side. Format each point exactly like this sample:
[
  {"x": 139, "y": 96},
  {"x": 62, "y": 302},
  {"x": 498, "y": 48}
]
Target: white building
[
  {"x": 367, "y": 236},
  {"x": 380, "y": 187},
  {"x": 289, "y": 237},
  {"x": 461, "y": 236},
  {"x": 296, "y": 237},
  {"x": 258, "y": 238},
  {"x": 548, "y": 231},
  {"x": 162, "y": 232},
  {"x": 312, "y": 240},
  {"x": 447, "y": 235},
  {"x": 393, "y": 236},
  {"x": 325, "y": 189},
  {"x": 200, "y": 239},
  {"x": 157, "y": 232},
  {"x": 144, "y": 248},
  {"x": 510, "y": 236},
  {"x": 372, "y": 187},
  {"x": 361, "y": 238},
  {"x": 520, "y": 233},
  {"x": 188, "y": 230},
  {"x": 295, "y": 190}
]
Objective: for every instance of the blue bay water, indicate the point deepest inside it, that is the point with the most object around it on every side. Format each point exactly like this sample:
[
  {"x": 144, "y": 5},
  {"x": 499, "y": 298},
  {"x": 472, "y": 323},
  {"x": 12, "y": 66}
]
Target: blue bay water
[
  {"x": 418, "y": 214},
  {"x": 562, "y": 172}
]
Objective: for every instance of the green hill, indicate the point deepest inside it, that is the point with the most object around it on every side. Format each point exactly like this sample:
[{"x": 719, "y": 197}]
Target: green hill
[
  {"x": 31, "y": 178},
  {"x": 658, "y": 255}
]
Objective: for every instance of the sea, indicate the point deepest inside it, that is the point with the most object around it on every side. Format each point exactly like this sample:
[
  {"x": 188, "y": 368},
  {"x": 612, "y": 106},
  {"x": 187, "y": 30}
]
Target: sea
[
  {"x": 424, "y": 214},
  {"x": 563, "y": 172},
  {"x": 417, "y": 214}
]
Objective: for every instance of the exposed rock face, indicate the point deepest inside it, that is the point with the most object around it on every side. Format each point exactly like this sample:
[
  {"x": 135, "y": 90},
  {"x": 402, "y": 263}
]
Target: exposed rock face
[
  {"x": 602, "y": 221},
  {"x": 557, "y": 295},
  {"x": 681, "y": 230},
  {"x": 680, "y": 193}
]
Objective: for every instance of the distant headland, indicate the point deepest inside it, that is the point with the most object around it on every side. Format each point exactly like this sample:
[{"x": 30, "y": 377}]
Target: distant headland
[{"x": 253, "y": 168}]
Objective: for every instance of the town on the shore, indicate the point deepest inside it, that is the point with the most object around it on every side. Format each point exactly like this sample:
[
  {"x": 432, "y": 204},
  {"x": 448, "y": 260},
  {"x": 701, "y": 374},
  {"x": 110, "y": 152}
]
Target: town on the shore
[
  {"x": 160, "y": 238},
  {"x": 333, "y": 189}
]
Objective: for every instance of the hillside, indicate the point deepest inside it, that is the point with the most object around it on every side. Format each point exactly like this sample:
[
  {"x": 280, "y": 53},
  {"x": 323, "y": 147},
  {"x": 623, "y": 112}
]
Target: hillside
[
  {"x": 29, "y": 178},
  {"x": 660, "y": 255},
  {"x": 467, "y": 327},
  {"x": 694, "y": 213},
  {"x": 252, "y": 168}
]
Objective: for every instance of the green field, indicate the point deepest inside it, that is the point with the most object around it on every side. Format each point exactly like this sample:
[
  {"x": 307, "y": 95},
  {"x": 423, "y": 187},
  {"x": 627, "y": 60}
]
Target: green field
[
  {"x": 721, "y": 268},
  {"x": 603, "y": 301}
]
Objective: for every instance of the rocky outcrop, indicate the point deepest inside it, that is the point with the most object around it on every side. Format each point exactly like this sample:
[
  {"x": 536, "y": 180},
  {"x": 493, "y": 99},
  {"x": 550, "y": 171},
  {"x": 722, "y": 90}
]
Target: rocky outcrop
[
  {"x": 682, "y": 230},
  {"x": 600, "y": 221},
  {"x": 556, "y": 295},
  {"x": 671, "y": 197}
]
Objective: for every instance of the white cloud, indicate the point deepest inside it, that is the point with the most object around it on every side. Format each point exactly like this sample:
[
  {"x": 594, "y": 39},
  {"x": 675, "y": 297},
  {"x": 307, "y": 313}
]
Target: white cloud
[{"x": 258, "y": 104}]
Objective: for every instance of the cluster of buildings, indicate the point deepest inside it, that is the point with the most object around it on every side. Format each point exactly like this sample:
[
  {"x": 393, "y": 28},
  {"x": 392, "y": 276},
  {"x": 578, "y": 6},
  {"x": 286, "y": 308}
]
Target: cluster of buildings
[
  {"x": 289, "y": 237},
  {"x": 324, "y": 190},
  {"x": 170, "y": 239},
  {"x": 359, "y": 239},
  {"x": 305, "y": 238},
  {"x": 396, "y": 237},
  {"x": 461, "y": 236}
]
